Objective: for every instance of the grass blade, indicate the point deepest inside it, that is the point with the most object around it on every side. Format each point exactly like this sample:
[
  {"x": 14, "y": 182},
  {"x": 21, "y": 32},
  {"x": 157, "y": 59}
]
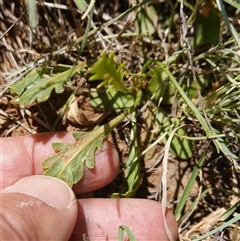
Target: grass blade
[
  {"x": 188, "y": 188},
  {"x": 219, "y": 143},
  {"x": 81, "y": 4},
  {"x": 121, "y": 230},
  {"x": 229, "y": 25},
  {"x": 220, "y": 228}
]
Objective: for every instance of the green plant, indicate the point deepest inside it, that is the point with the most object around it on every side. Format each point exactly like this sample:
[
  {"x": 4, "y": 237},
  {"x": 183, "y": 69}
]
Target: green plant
[{"x": 165, "y": 91}]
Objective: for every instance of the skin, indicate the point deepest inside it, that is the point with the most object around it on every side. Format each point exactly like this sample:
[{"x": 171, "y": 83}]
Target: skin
[{"x": 35, "y": 207}]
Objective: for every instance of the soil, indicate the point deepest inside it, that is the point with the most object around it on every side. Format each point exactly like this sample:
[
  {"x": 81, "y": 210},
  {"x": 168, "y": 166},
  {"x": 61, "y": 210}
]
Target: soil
[{"x": 36, "y": 118}]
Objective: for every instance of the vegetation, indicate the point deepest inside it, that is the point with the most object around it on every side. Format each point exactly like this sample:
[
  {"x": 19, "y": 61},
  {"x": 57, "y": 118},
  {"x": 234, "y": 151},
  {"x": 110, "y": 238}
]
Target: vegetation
[{"x": 166, "y": 74}]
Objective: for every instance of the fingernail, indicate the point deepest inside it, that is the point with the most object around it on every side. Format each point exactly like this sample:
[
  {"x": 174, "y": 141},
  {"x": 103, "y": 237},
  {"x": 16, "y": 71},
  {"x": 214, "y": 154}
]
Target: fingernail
[{"x": 52, "y": 191}]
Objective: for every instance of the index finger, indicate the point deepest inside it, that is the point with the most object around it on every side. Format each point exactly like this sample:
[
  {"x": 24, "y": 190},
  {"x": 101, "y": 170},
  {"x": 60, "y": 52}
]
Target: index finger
[{"x": 22, "y": 156}]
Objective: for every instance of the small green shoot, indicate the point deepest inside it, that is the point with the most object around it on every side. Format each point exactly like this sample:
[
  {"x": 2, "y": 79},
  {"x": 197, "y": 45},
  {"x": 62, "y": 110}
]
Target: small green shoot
[{"x": 68, "y": 161}]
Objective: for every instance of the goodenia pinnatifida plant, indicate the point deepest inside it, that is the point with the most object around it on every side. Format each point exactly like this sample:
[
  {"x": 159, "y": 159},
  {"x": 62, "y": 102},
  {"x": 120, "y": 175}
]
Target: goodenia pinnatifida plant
[{"x": 69, "y": 160}]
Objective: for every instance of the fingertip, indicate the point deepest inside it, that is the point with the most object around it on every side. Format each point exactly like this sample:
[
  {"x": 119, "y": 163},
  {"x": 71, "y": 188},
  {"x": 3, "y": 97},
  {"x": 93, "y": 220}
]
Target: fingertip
[
  {"x": 100, "y": 217},
  {"x": 38, "y": 208},
  {"x": 52, "y": 191}
]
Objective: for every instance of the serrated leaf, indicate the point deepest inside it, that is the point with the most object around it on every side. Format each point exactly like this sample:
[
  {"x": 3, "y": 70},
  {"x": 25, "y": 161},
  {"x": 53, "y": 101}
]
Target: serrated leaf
[
  {"x": 69, "y": 160},
  {"x": 105, "y": 69},
  {"x": 36, "y": 88},
  {"x": 19, "y": 86}
]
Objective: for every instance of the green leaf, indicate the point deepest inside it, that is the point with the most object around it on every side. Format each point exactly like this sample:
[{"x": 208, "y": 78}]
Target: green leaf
[
  {"x": 111, "y": 100},
  {"x": 180, "y": 146},
  {"x": 234, "y": 3},
  {"x": 19, "y": 86},
  {"x": 208, "y": 25},
  {"x": 105, "y": 69},
  {"x": 187, "y": 189},
  {"x": 147, "y": 19},
  {"x": 220, "y": 145},
  {"x": 159, "y": 86},
  {"x": 69, "y": 160},
  {"x": 34, "y": 87},
  {"x": 81, "y": 4}
]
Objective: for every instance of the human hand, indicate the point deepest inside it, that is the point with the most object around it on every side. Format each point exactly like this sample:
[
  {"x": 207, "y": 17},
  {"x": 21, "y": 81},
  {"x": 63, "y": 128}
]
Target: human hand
[{"x": 36, "y": 207}]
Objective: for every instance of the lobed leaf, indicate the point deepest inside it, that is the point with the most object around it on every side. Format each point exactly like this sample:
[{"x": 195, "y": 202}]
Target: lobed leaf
[
  {"x": 69, "y": 159},
  {"x": 68, "y": 162},
  {"x": 105, "y": 69},
  {"x": 34, "y": 87}
]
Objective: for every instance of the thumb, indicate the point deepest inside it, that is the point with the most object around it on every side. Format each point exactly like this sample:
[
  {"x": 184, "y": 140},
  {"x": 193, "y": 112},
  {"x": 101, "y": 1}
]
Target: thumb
[{"x": 37, "y": 208}]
